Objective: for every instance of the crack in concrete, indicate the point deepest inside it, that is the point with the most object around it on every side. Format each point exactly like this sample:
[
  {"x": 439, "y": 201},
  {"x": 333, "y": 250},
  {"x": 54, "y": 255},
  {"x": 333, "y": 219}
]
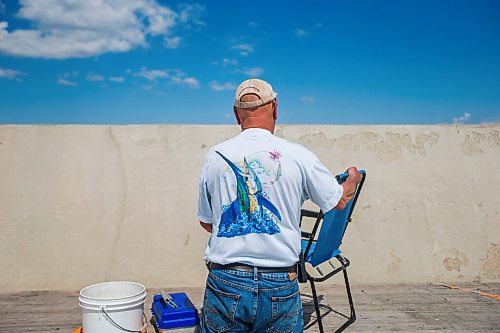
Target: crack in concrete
[{"x": 110, "y": 260}]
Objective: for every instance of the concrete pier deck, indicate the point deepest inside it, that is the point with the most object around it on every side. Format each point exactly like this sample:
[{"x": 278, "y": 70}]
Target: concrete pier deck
[{"x": 380, "y": 308}]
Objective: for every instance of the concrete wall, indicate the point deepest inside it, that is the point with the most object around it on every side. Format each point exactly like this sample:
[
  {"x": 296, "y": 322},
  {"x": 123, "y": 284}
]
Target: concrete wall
[{"x": 85, "y": 204}]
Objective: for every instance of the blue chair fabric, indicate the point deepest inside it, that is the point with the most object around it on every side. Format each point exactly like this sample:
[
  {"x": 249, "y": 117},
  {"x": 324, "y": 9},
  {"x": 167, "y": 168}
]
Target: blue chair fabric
[{"x": 318, "y": 250}]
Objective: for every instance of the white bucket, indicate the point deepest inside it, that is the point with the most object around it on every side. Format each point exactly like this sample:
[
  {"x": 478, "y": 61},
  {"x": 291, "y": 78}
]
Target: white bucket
[{"x": 113, "y": 307}]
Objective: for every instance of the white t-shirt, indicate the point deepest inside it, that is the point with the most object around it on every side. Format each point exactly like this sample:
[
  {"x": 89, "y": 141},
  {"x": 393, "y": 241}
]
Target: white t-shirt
[{"x": 252, "y": 188}]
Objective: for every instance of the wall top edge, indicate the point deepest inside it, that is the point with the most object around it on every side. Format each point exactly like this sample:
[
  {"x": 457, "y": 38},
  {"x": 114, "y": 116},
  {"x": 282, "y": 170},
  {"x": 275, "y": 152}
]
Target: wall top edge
[{"x": 496, "y": 125}]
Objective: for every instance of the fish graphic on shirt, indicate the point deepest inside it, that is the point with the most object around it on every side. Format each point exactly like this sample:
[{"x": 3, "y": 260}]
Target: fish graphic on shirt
[{"x": 251, "y": 212}]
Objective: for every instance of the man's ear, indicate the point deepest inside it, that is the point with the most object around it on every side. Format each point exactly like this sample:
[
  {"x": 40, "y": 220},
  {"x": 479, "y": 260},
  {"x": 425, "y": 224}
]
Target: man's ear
[
  {"x": 275, "y": 110},
  {"x": 235, "y": 110}
]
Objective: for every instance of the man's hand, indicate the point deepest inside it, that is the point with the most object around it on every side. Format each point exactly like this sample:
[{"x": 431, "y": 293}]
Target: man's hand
[
  {"x": 349, "y": 186},
  {"x": 354, "y": 174},
  {"x": 206, "y": 226}
]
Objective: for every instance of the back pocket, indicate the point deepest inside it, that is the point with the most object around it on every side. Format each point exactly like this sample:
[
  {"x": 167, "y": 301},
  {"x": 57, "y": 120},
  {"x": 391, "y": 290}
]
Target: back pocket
[
  {"x": 285, "y": 313},
  {"x": 219, "y": 309}
]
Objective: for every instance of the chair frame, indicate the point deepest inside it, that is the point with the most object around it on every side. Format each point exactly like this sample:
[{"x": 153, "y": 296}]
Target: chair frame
[{"x": 344, "y": 262}]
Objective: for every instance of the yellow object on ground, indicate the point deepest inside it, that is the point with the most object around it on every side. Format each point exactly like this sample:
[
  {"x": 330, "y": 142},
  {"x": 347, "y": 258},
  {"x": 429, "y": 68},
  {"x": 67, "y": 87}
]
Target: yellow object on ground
[{"x": 472, "y": 291}]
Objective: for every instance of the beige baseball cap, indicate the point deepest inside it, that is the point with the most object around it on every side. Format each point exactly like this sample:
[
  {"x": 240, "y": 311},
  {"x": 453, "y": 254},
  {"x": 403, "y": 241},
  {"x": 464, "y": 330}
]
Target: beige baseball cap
[{"x": 257, "y": 87}]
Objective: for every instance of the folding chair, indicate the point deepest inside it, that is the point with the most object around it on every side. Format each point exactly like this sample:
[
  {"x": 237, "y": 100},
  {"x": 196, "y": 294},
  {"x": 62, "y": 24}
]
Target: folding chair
[{"x": 327, "y": 246}]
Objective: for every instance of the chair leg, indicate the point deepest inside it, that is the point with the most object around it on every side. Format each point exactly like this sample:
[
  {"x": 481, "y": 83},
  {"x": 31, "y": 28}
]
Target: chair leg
[
  {"x": 316, "y": 306},
  {"x": 349, "y": 296},
  {"x": 352, "y": 317}
]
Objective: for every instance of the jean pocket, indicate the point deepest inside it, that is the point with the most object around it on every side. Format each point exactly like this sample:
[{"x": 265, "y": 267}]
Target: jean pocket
[
  {"x": 285, "y": 313},
  {"x": 219, "y": 309}
]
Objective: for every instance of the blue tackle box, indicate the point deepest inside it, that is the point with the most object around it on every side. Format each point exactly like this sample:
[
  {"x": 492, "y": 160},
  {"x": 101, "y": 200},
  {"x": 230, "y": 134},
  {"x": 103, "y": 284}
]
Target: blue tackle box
[{"x": 168, "y": 317}]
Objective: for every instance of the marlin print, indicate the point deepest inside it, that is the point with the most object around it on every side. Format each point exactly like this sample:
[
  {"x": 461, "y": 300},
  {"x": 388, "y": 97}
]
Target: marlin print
[{"x": 249, "y": 208}]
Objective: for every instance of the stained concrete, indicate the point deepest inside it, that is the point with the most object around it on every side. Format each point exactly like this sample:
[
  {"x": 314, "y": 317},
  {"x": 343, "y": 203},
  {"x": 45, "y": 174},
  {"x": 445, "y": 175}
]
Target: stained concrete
[
  {"x": 85, "y": 204},
  {"x": 425, "y": 308}
]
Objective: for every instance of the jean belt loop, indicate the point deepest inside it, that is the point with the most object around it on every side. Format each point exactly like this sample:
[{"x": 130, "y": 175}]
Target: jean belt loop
[{"x": 255, "y": 272}]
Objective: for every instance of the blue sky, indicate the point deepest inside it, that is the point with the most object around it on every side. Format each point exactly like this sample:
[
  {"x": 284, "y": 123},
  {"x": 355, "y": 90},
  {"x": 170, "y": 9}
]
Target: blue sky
[{"x": 334, "y": 62}]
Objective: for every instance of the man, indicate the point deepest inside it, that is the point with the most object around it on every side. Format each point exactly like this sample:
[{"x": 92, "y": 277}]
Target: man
[{"x": 252, "y": 188}]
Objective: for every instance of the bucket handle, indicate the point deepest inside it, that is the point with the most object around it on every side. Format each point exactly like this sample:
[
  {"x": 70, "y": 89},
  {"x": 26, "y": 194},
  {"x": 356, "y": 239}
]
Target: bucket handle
[{"x": 103, "y": 310}]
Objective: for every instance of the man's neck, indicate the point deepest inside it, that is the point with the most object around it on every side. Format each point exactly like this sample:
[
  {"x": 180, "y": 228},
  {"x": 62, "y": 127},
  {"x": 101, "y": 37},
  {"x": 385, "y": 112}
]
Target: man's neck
[{"x": 250, "y": 124}]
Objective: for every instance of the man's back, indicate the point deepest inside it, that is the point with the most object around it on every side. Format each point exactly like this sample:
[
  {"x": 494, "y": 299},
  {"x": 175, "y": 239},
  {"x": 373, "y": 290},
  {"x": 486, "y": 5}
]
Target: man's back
[{"x": 253, "y": 188}]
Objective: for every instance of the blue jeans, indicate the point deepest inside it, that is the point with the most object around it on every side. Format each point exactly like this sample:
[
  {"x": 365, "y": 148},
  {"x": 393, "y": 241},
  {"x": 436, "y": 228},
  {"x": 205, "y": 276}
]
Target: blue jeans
[{"x": 237, "y": 301}]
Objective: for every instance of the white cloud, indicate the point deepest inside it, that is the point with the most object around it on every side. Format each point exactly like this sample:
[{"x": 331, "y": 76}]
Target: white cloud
[
  {"x": 66, "y": 82},
  {"x": 221, "y": 86},
  {"x": 151, "y": 75},
  {"x": 462, "y": 119},
  {"x": 11, "y": 74},
  {"x": 82, "y": 28},
  {"x": 175, "y": 76},
  {"x": 301, "y": 33},
  {"x": 151, "y": 87},
  {"x": 179, "y": 78},
  {"x": 118, "y": 79},
  {"x": 191, "y": 13},
  {"x": 72, "y": 74},
  {"x": 68, "y": 79},
  {"x": 252, "y": 72},
  {"x": 307, "y": 99},
  {"x": 172, "y": 42},
  {"x": 244, "y": 49},
  {"x": 95, "y": 77},
  {"x": 189, "y": 82},
  {"x": 229, "y": 62},
  {"x": 226, "y": 62},
  {"x": 252, "y": 24}
]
